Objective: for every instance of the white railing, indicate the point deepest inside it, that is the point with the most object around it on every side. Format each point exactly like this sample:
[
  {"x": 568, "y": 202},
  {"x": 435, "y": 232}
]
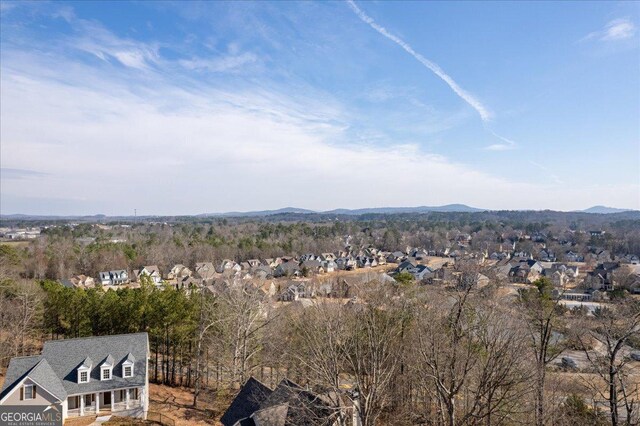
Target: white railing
[{"x": 90, "y": 410}]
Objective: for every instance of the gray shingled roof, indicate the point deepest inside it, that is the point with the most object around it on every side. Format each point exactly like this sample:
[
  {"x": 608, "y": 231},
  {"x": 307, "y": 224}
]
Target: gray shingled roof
[
  {"x": 37, "y": 369},
  {"x": 18, "y": 368},
  {"x": 44, "y": 375},
  {"x": 65, "y": 356},
  {"x": 248, "y": 400},
  {"x": 56, "y": 369}
]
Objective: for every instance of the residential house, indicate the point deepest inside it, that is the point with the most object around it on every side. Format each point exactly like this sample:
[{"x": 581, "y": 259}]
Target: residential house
[
  {"x": 419, "y": 272},
  {"x": 205, "y": 270},
  {"x": 602, "y": 277},
  {"x": 346, "y": 263},
  {"x": 420, "y": 254},
  {"x": 560, "y": 274},
  {"x": 308, "y": 256},
  {"x": 116, "y": 277},
  {"x": 571, "y": 256},
  {"x": 327, "y": 256},
  {"x": 79, "y": 281},
  {"x": 313, "y": 266},
  {"x": 179, "y": 272},
  {"x": 396, "y": 257},
  {"x": 297, "y": 291},
  {"x": 262, "y": 272},
  {"x": 229, "y": 266},
  {"x": 254, "y": 262},
  {"x": 525, "y": 271},
  {"x": 89, "y": 376},
  {"x": 499, "y": 256},
  {"x": 151, "y": 271},
  {"x": 600, "y": 255},
  {"x": 189, "y": 283},
  {"x": 287, "y": 405},
  {"x": 287, "y": 269},
  {"x": 546, "y": 255},
  {"x": 329, "y": 265}
]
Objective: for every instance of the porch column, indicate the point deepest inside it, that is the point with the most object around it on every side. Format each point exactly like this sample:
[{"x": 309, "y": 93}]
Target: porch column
[
  {"x": 112, "y": 397},
  {"x": 81, "y": 405},
  {"x": 97, "y": 402},
  {"x": 126, "y": 398}
]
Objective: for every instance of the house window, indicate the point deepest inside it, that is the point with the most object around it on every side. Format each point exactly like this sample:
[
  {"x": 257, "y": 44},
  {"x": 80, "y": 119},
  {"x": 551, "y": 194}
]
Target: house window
[
  {"x": 128, "y": 371},
  {"x": 84, "y": 377},
  {"x": 29, "y": 392},
  {"x": 106, "y": 374}
]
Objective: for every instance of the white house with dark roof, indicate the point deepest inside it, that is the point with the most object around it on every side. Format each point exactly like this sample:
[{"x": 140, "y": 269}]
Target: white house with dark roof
[
  {"x": 116, "y": 277},
  {"x": 87, "y": 376}
]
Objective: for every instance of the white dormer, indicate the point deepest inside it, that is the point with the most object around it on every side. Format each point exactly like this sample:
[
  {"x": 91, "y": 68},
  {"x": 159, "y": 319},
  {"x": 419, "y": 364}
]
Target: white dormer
[
  {"x": 106, "y": 369},
  {"x": 127, "y": 366},
  {"x": 84, "y": 371}
]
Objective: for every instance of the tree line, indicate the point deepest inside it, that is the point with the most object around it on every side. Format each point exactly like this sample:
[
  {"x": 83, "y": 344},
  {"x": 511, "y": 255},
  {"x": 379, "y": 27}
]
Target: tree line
[{"x": 396, "y": 353}]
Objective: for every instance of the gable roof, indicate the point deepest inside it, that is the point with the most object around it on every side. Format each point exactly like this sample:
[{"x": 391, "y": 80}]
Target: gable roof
[
  {"x": 66, "y": 355},
  {"x": 248, "y": 400},
  {"x": 272, "y": 416},
  {"x": 37, "y": 369}
]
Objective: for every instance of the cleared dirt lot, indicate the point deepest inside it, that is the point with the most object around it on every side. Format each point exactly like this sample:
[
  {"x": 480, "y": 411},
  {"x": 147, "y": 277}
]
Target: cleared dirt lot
[{"x": 177, "y": 404}]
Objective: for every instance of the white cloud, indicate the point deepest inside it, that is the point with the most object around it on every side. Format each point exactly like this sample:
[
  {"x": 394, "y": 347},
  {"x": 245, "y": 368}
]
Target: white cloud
[
  {"x": 101, "y": 147},
  {"x": 93, "y": 38},
  {"x": 617, "y": 29}
]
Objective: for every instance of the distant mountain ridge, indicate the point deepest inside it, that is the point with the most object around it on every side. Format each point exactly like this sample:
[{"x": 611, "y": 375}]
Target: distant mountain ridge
[
  {"x": 449, "y": 208},
  {"x": 604, "y": 210},
  {"x": 354, "y": 212}
]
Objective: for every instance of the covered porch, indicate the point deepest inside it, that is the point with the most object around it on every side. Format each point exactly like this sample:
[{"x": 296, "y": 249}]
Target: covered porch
[{"x": 98, "y": 403}]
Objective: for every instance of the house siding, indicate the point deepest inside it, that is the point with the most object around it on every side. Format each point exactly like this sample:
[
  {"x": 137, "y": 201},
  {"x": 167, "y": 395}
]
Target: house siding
[{"x": 42, "y": 396}]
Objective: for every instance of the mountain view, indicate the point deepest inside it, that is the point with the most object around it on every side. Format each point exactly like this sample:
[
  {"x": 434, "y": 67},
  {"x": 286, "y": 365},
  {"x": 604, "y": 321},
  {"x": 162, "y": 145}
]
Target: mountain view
[{"x": 313, "y": 213}]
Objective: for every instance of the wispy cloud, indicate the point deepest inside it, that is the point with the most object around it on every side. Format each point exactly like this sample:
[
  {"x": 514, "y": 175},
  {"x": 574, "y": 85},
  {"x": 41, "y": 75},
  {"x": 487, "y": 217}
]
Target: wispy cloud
[
  {"x": 7, "y": 173},
  {"x": 554, "y": 177},
  {"x": 507, "y": 144},
  {"x": 618, "y": 29},
  {"x": 93, "y": 38},
  {"x": 482, "y": 110},
  {"x": 227, "y": 63}
]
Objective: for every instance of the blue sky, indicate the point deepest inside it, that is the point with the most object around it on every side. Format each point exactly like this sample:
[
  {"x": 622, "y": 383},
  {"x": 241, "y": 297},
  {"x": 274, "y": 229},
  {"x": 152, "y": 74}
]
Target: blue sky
[{"x": 186, "y": 108}]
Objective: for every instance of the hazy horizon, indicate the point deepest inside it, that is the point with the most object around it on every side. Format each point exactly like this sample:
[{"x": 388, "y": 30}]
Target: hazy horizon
[
  {"x": 213, "y": 213},
  {"x": 192, "y": 108}
]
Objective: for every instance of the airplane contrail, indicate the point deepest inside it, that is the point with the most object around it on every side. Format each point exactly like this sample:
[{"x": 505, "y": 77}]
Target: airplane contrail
[{"x": 484, "y": 113}]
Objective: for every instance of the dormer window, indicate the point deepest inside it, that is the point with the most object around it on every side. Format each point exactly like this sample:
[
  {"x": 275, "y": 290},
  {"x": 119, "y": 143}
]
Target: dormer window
[
  {"x": 105, "y": 373},
  {"x": 106, "y": 368},
  {"x": 127, "y": 366},
  {"x": 83, "y": 375},
  {"x": 83, "y": 371}
]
